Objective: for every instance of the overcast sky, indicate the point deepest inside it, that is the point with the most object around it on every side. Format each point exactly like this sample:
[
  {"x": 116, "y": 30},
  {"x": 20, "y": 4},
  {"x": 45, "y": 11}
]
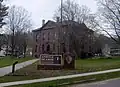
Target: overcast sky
[{"x": 44, "y": 9}]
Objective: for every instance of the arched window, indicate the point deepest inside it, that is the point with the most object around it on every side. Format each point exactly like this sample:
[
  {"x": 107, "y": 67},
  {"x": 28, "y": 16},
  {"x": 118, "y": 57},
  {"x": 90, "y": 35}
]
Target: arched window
[{"x": 48, "y": 48}]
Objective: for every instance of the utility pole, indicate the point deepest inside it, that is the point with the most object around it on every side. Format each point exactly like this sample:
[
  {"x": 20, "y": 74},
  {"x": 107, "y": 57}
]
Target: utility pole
[
  {"x": 59, "y": 30},
  {"x": 61, "y": 10}
]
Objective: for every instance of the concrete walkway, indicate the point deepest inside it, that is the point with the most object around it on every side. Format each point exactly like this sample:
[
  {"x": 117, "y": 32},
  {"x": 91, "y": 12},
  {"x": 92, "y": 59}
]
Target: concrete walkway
[
  {"x": 8, "y": 69},
  {"x": 55, "y": 78}
]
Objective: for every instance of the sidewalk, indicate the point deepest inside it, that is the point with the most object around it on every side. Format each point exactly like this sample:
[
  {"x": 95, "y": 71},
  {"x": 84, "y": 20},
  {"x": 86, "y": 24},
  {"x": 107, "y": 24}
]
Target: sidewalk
[
  {"x": 55, "y": 78},
  {"x": 8, "y": 69}
]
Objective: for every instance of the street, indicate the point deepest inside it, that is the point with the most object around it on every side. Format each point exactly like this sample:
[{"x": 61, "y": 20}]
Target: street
[{"x": 107, "y": 83}]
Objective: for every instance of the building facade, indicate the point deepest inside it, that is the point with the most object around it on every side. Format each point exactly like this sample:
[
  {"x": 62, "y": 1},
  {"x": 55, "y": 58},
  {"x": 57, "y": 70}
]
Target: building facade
[{"x": 58, "y": 38}]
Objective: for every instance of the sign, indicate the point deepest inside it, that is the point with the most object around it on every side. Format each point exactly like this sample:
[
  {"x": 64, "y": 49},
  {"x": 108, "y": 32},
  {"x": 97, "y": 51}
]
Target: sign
[
  {"x": 46, "y": 59},
  {"x": 69, "y": 61},
  {"x": 55, "y": 62}
]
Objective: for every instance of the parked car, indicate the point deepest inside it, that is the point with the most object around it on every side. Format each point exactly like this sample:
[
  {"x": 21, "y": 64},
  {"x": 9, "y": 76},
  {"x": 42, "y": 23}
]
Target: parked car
[{"x": 20, "y": 56}]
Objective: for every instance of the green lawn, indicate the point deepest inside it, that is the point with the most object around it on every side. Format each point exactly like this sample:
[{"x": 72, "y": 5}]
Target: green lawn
[
  {"x": 6, "y": 61},
  {"x": 72, "y": 81},
  {"x": 87, "y": 65},
  {"x": 90, "y": 65}
]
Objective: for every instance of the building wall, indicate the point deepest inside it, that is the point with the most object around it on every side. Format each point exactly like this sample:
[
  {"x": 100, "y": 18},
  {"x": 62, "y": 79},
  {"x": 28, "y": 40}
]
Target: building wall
[
  {"x": 59, "y": 41},
  {"x": 35, "y": 44},
  {"x": 49, "y": 37}
]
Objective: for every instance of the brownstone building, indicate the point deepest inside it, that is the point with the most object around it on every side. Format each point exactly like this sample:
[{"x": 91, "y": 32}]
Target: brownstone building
[{"x": 68, "y": 36}]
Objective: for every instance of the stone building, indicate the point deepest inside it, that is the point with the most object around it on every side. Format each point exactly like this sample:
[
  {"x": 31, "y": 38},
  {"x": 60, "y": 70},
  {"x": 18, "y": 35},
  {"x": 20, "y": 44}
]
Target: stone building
[{"x": 58, "y": 38}]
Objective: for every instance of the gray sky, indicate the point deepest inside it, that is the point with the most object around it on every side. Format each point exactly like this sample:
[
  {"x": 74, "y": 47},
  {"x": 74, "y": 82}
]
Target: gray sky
[{"x": 44, "y": 9}]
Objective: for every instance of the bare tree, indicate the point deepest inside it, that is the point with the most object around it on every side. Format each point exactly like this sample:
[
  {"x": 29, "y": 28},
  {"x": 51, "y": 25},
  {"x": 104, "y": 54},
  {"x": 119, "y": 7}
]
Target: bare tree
[
  {"x": 76, "y": 37},
  {"x": 18, "y": 22},
  {"x": 109, "y": 13},
  {"x": 72, "y": 11}
]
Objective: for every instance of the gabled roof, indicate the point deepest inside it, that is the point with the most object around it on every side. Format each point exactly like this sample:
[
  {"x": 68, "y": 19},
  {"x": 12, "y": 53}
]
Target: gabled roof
[
  {"x": 52, "y": 23},
  {"x": 49, "y": 22}
]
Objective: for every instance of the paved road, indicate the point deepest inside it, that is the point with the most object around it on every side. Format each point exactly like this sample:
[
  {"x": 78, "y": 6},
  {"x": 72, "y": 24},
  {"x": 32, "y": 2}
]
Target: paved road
[
  {"x": 107, "y": 83},
  {"x": 6, "y": 70}
]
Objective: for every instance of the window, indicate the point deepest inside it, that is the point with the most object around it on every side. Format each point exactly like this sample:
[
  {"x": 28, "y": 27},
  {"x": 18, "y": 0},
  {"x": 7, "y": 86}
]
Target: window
[
  {"x": 48, "y": 48},
  {"x": 39, "y": 48},
  {"x": 43, "y": 36},
  {"x": 82, "y": 47},
  {"x": 63, "y": 48},
  {"x": 90, "y": 48},
  {"x": 43, "y": 48},
  {"x": 36, "y": 48},
  {"x": 36, "y": 37},
  {"x": 48, "y": 35},
  {"x": 55, "y": 35},
  {"x": 53, "y": 47}
]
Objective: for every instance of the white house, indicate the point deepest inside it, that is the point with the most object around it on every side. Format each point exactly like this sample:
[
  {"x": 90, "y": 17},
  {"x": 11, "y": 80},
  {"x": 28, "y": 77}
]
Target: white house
[
  {"x": 106, "y": 50},
  {"x": 3, "y": 51}
]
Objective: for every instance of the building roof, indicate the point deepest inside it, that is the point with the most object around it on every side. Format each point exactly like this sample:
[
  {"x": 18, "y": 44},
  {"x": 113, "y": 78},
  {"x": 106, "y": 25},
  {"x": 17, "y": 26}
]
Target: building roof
[
  {"x": 73, "y": 23},
  {"x": 49, "y": 21}
]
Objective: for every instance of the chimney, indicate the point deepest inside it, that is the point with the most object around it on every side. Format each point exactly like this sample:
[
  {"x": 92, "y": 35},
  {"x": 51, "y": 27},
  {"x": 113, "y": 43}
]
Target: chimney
[
  {"x": 58, "y": 19},
  {"x": 43, "y": 22}
]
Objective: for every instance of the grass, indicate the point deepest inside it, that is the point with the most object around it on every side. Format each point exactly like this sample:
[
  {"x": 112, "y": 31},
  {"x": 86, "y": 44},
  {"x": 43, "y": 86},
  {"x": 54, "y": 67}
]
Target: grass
[
  {"x": 82, "y": 66},
  {"x": 72, "y": 81},
  {"x": 6, "y": 61},
  {"x": 91, "y": 65}
]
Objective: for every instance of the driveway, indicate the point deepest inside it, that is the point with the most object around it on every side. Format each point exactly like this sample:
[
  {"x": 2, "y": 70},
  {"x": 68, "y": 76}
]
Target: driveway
[{"x": 8, "y": 69}]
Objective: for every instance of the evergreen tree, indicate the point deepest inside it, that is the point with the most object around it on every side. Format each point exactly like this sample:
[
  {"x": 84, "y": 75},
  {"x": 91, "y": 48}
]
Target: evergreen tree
[{"x": 3, "y": 13}]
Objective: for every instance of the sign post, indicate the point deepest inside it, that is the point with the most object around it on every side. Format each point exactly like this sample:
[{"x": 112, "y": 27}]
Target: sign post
[
  {"x": 56, "y": 62},
  {"x": 13, "y": 67}
]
